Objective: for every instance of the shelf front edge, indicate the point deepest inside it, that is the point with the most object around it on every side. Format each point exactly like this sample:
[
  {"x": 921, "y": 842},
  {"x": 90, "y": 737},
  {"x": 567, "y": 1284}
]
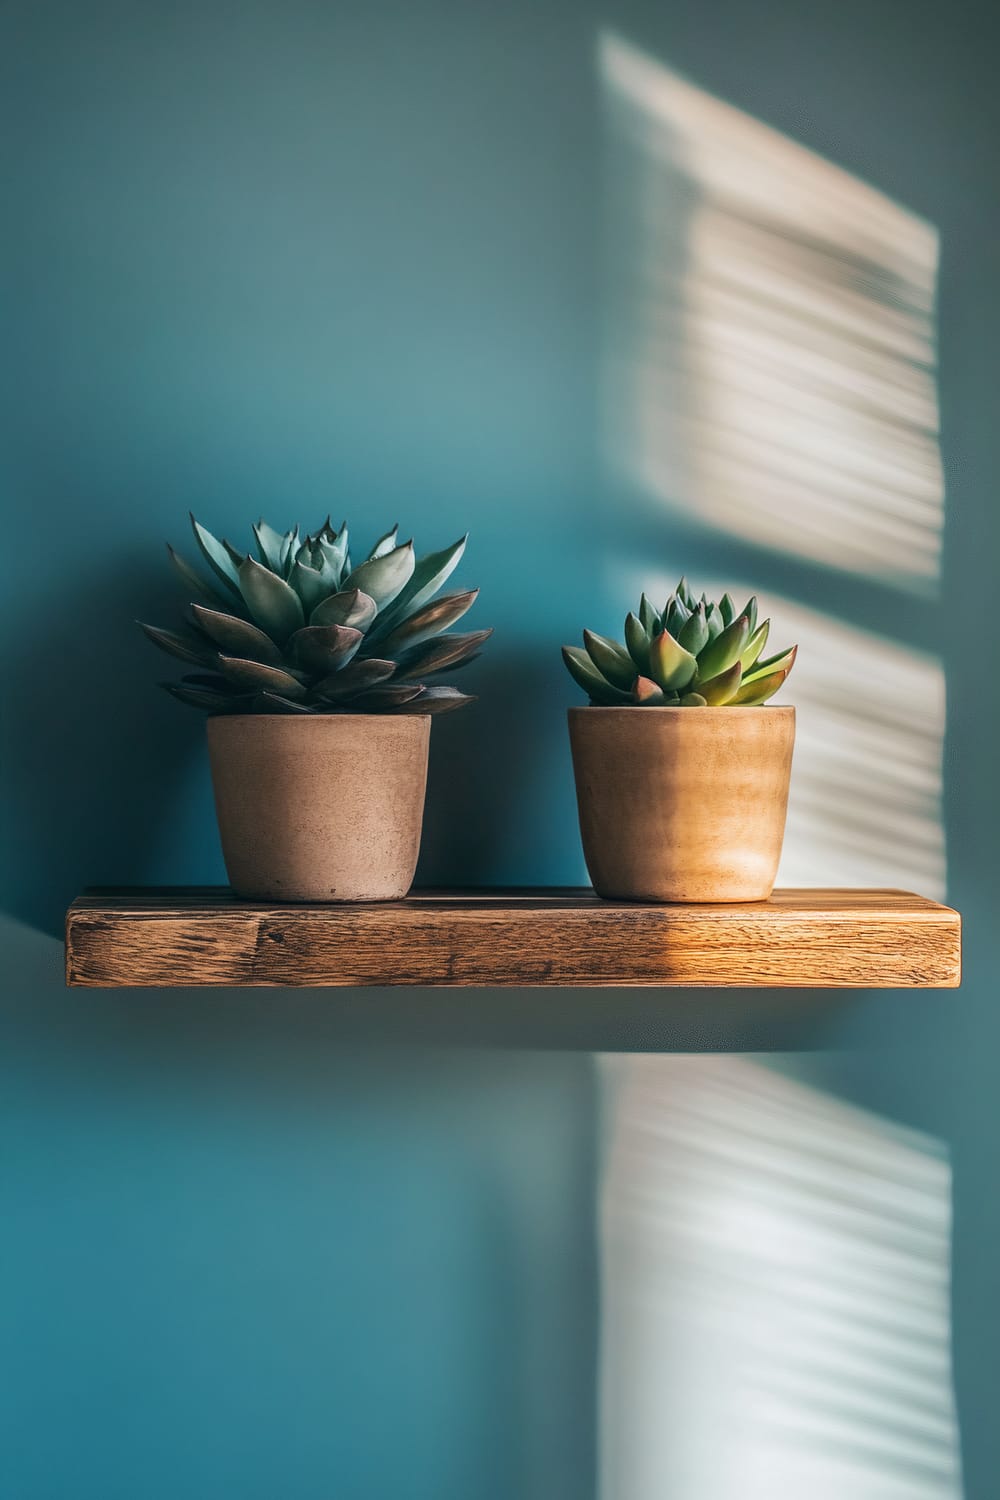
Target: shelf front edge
[{"x": 799, "y": 939}]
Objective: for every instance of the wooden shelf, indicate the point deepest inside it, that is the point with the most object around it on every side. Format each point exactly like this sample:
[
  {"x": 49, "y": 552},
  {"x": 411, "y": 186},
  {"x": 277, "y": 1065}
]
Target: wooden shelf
[{"x": 800, "y": 938}]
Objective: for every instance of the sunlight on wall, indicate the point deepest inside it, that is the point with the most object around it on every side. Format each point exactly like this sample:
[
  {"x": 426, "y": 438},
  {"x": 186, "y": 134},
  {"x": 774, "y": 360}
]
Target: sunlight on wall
[
  {"x": 775, "y": 1264},
  {"x": 775, "y": 1293},
  {"x": 770, "y": 353},
  {"x": 865, "y": 806}
]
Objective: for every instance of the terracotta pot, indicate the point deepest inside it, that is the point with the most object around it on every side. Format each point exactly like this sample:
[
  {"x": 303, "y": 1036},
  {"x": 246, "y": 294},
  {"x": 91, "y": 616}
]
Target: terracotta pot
[
  {"x": 682, "y": 804},
  {"x": 323, "y": 808}
]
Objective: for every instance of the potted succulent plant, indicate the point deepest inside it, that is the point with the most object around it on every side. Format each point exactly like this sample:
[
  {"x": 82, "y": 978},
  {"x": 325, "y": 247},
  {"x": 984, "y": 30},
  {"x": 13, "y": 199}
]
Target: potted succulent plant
[
  {"x": 681, "y": 764},
  {"x": 315, "y": 674}
]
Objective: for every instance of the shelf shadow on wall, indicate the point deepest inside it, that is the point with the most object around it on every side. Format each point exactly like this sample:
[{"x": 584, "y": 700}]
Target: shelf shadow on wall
[
  {"x": 96, "y": 753},
  {"x": 308, "y": 1023},
  {"x": 491, "y": 814}
]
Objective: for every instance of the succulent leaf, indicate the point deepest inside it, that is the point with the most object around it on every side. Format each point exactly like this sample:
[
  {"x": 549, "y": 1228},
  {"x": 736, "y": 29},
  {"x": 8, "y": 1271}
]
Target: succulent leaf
[
  {"x": 216, "y": 556},
  {"x": 694, "y": 632},
  {"x": 752, "y": 694},
  {"x": 713, "y": 620},
  {"x": 675, "y": 616},
  {"x": 611, "y": 660},
  {"x": 720, "y": 689},
  {"x": 449, "y": 650},
  {"x": 637, "y": 641},
  {"x": 354, "y": 678},
  {"x": 234, "y": 554},
  {"x": 272, "y": 602},
  {"x": 429, "y": 621},
  {"x": 670, "y": 665},
  {"x": 257, "y": 676},
  {"x": 694, "y": 700},
  {"x": 330, "y": 558},
  {"x": 727, "y": 609},
  {"x": 309, "y": 583},
  {"x": 351, "y": 607},
  {"x": 727, "y": 648},
  {"x": 754, "y": 646},
  {"x": 196, "y": 586},
  {"x": 430, "y": 574},
  {"x": 387, "y": 695},
  {"x": 437, "y": 700},
  {"x": 186, "y": 645},
  {"x": 582, "y": 669},
  {"x": 237, "y": 637},
  {"x": 782, "y": 661},
  {"x": 289, "y": 547},
  {"x": 385, "y": 543},
  {"x": 644, "y": 690},
  {"x": 320, "y": 649},
  {"x": 648, "y": 617},
  {"x": 270, "y": 545},
  {"x": 384, "y": 577}
]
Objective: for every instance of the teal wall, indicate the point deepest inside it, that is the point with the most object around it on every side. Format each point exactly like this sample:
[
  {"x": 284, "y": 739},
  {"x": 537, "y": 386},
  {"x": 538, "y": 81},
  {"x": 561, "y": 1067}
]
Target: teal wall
[{"x": 296, "y": 257}]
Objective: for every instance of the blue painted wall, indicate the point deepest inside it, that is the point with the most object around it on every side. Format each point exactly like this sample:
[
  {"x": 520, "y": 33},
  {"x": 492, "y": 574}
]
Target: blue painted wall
[{"x": 300, "y": 257}]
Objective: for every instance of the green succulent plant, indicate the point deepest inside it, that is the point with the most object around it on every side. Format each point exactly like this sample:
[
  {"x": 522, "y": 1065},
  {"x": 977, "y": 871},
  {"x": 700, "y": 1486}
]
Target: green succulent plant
[
  {"x": 693, "y": 654},
  {"x": 299, "y": 629}
]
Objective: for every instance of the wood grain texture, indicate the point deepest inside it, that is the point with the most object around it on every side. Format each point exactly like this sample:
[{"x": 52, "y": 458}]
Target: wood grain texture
[{"x": 188, "y": 936}]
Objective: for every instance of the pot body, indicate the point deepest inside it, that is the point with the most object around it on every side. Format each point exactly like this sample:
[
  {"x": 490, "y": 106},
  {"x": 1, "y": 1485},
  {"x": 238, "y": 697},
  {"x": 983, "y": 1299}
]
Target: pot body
[
  {"x": 682, "y": 804},
  {"x": 326, "y": 807}
]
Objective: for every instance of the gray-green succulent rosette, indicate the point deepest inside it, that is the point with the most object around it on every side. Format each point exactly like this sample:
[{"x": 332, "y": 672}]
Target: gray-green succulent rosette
[{"x": 298, "y": 628}]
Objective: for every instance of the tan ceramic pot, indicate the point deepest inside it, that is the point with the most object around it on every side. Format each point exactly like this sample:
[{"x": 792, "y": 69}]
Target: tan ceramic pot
[
  {"x": 321, "y": 808},
  {"x": 682, "y": 804}
]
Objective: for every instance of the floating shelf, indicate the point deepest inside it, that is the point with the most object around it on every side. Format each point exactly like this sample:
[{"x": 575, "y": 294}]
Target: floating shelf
[{"x": 180, "y": 936}]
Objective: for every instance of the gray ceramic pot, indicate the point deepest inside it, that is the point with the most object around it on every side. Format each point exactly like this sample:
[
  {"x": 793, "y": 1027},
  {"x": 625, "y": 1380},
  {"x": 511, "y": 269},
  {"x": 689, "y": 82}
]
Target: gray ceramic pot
[
  {"x": 682, "y": 804},
  {"x": 326, "y": 807}
]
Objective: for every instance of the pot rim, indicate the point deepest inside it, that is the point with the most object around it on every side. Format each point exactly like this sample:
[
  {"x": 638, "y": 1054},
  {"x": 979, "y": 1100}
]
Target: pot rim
[
  {"x": 675, "y": 708},
  {"x": 312, "y": 718}
]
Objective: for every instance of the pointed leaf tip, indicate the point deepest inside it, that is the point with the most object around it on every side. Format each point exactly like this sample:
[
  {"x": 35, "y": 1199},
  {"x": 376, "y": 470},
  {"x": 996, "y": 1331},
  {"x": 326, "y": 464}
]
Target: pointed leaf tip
[
  {"x": 216, "y": 555},
  {"x": 644, "y": 690},
  {"x": 430, "y": 573},
  {"x": 383, "y": 578},
  {"x": 670, "y": 665},
  {"x": 753, "y": 694},
  {"x": 427, "y": 622},
  {"x": 235, "y": 636},
  {"x": 273, "y": 603},
  {"x": 586, "y": 675},
  {"x": 610, "y": 659},
  {"x": 727, "y": 647},
  {"x": 719, "y": 690},
  {"x": 186, "y": 645},
  {"x": 694, "y": 636},
  {"x": 754, "y": 646},
  {"x": 350, "y": 607}
]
